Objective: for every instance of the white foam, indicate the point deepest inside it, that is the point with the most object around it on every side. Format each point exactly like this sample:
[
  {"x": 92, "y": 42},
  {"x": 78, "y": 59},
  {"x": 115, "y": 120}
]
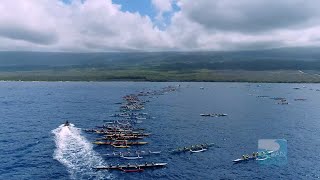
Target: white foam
[{"x": 76, "y": 154}]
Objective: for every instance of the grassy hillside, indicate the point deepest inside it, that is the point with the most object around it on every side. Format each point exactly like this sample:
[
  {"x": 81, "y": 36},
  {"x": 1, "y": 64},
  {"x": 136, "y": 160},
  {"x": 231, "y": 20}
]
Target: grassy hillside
[{"x": 278, "y": 65}]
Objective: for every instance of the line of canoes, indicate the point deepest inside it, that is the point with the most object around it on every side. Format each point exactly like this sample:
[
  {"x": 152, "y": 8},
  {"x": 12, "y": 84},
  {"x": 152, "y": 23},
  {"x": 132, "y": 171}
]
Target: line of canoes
[
  {"x": 121, "y": 133},
  {"x": 283, "y": 100}
]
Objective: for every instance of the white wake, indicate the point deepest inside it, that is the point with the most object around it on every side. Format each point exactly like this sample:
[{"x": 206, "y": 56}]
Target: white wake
[{"x": 77, "y": 154}]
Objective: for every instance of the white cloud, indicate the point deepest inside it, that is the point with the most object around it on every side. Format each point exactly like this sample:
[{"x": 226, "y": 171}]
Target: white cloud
[
  {"x": 163, "y": 5},
  {"x": 245, "y": 24},
  {"x": 251, "y": 16},
  {"x": 100, "y": 25},
  {"x": 95, "y": 25}
]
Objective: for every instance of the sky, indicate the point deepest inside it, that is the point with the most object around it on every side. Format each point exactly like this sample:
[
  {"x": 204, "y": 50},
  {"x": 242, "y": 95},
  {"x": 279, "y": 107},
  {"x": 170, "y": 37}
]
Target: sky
[{"x": 157, "y": 25}]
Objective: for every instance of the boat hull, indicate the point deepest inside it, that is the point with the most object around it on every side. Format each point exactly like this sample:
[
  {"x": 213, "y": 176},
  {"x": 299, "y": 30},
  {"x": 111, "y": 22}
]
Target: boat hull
[{"x": 141, "y": 166}]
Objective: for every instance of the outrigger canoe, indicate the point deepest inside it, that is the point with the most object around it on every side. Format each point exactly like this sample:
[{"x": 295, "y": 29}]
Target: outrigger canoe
[
  {"x": 127, "y": 134},
  {"x": 129, "y": 153},
  {"x": 121, "y": 138},
  {"x": 117, "y": 127},
  {"x": 124, "y": 128},
  {"x": 154, "y": 152},
  {"x": 193, "y": 148},
  {"x": 117, "y": 131},
  {"x": 260, "y": 155},
  {"x": 119, "y": 143},
  {"x": 213, "y": 115},
  {"x": 131, "y": 166},
  {"x": 245, "y": 159}
]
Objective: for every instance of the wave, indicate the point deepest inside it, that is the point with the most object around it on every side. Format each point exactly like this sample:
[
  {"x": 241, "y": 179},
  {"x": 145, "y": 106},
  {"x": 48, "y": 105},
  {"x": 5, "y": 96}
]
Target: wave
[{"x": 76, "y": 154}]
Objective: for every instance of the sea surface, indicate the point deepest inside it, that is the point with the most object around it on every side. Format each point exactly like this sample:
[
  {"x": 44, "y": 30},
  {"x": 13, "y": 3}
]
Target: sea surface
[{"x": 35, "y": 145}]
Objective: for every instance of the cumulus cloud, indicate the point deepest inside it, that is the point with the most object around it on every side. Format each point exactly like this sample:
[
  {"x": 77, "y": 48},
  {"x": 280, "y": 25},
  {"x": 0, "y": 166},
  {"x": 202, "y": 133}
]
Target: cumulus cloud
[
  {"x": 20, "y": 21},
  {"x": 163, "y": 5},
  {"x": 24, "y": 33},
  {"x": 101, "y": 25},
  {"x": 91, "y": 25},
  {"x": 251, "y": 16},
  {"x": 245, "y": 24}
]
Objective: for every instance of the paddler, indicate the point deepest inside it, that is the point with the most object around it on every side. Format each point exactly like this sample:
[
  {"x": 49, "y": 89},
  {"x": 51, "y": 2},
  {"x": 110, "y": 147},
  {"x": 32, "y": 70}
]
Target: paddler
[{"x": 66, "y": 123}]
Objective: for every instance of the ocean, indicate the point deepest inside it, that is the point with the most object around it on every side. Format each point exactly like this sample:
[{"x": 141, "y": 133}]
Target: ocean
[{"x": 35, "y": 145}]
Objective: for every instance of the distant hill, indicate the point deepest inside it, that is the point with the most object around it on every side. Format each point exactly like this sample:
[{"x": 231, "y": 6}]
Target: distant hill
[
  {"x": 284, "y": 58},
  {"x": 154, "y": 65}
]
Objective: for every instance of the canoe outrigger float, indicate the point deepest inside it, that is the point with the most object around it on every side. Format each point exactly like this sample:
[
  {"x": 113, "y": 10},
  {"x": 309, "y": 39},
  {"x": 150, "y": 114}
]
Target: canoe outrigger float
[
  {"x": 131, "y": 167},
  {"x": 199, "y": 150},
  {"x": 131, "y": 157},
  {"x": 255, "y": 156},
  {"x": 120, "y": 146}
]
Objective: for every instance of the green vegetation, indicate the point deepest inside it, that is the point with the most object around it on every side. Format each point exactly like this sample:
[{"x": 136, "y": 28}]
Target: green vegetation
[
  {"x": 154, "y": 75},
  {"x": 281, "y": 65}
]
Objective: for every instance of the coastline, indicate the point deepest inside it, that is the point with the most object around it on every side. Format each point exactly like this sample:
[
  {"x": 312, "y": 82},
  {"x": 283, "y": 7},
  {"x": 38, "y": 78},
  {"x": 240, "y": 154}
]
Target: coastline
[
  {"x": 141, "y": 81},
  {"x": 145, "y": 75}
]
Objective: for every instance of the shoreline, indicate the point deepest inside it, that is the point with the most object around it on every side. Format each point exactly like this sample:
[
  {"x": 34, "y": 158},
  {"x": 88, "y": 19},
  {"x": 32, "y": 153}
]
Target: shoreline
[
  {"x": 177, "y": 81},
  {"x": 142, "y": 75}
]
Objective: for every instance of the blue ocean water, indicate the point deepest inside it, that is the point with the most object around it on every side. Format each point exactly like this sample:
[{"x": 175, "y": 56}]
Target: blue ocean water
[{"x": 33, "y": 146}]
